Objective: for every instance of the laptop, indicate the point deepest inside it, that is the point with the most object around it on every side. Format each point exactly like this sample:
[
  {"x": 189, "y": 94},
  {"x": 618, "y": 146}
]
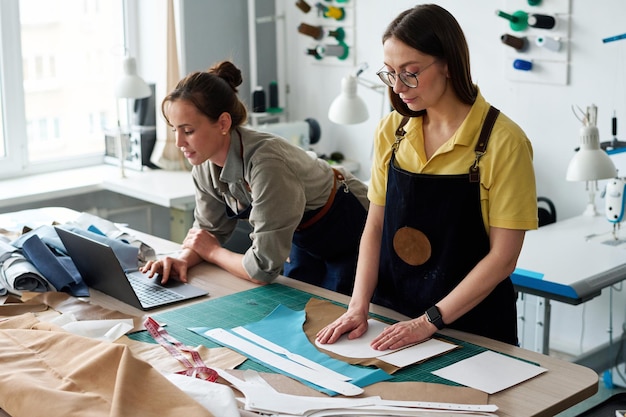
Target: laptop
[{"x": 99, "y": 267}]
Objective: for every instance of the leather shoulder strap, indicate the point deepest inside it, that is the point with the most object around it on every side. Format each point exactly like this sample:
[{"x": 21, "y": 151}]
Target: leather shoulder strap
[
  {"x": 481, "y": 146},
  {"x": 400, "y": 132}
]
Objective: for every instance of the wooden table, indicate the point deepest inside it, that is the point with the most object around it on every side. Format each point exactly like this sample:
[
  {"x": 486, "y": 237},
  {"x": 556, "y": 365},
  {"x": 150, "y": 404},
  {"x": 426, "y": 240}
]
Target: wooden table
[{"x": 562, "y": 386}]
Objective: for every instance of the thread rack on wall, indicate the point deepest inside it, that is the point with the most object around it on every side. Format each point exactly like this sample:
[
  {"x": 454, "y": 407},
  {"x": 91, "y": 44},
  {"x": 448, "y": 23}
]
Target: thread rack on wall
[
  {"x": 329, "y": 30},
  {"x": 545, "y": 53}
]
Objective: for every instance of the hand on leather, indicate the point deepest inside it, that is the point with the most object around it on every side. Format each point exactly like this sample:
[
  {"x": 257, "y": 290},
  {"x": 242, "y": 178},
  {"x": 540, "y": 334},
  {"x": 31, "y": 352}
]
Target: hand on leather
[
  {"x": 404, "y": 333},
  {"x": 351, "y": 321}
]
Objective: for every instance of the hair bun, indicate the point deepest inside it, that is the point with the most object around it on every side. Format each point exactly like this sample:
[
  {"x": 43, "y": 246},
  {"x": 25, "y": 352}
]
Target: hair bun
[{"x": 227, "y": 71}]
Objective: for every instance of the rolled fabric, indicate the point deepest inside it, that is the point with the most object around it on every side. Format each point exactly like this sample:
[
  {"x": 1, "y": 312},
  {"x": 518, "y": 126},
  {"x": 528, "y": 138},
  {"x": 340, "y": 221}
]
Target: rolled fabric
[
  {"x": 58, "y": 269},
  {"x": 18, "y": 275}
]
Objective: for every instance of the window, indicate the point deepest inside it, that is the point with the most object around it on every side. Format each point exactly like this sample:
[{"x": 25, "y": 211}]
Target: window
[{"x": 57, "y": 83}]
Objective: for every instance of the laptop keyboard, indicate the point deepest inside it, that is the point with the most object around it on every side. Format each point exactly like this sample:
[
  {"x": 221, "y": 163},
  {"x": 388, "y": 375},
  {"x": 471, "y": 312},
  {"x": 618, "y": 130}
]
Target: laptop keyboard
[{"x": 151, "y": 294}]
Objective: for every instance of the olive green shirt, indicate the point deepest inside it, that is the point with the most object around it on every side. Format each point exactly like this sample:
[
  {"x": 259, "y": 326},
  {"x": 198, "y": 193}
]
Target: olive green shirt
[{"x": 281, "y": 182}]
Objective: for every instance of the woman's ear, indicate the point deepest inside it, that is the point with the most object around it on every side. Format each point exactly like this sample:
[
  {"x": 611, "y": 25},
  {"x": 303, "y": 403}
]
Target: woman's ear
[{"x": 225, "y": 122}]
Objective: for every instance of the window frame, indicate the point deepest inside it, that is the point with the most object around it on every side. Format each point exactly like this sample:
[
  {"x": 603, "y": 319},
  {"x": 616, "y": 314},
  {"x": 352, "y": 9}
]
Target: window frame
[{"x": 16, "y": 163}]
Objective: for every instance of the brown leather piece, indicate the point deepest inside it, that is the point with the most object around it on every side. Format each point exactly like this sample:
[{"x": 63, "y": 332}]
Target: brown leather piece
[{"x": 412, "y": 246}]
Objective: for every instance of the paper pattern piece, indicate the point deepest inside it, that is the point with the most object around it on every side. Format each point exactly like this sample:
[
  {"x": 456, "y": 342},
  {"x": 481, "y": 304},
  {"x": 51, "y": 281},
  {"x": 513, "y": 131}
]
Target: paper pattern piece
[
  {"x": 261, "y": 397},
  {"x": 360, "y": 347},
  {"x": 282, "y": 364},
  {"x": 243, "y": 332},
  {"x": 283, "y": 327},
  {"x": 490, "y": 372}
]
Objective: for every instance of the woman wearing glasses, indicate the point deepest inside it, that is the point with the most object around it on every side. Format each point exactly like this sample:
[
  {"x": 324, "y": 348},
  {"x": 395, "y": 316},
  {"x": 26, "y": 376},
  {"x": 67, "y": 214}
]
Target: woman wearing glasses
[
  {"x": 307, "y": 217},
  {"x": 451, "y": 195}
]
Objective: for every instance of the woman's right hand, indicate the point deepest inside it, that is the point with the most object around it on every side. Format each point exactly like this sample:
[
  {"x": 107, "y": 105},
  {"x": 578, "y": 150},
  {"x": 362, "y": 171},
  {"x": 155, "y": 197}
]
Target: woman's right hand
[
  {"x": 167, "y": 267},
  {"x": 351, "y": 321}
]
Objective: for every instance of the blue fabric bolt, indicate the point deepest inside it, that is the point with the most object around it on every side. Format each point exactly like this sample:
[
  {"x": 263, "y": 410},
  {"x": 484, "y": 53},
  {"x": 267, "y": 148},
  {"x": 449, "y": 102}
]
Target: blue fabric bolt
[{"x": 58, "y": 269}]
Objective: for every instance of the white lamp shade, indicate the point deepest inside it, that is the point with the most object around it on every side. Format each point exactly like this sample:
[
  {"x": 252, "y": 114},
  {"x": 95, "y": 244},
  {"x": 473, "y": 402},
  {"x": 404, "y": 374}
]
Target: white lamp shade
[
  {"x": 348, "y": 108},
  {"x": 590, "y": 162},
  {"x": 131, "y": 85}
]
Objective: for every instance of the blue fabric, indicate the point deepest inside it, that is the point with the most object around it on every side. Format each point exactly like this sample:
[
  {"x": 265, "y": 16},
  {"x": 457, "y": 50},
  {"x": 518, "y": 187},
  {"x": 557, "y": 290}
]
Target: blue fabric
[
  {"x": 127, "y": 254},
  {"x": 43, "y": 248},
  {"x": 58, "y": 269},
  {"x": 283, "y": 327}
]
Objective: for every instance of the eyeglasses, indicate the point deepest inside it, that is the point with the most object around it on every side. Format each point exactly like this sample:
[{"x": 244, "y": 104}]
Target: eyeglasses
[{"x": 408, "y": 78}]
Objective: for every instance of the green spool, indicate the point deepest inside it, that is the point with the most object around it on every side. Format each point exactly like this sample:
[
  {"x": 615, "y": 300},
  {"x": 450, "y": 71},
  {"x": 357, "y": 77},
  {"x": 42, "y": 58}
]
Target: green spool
[{"x": 518, "y": 20}]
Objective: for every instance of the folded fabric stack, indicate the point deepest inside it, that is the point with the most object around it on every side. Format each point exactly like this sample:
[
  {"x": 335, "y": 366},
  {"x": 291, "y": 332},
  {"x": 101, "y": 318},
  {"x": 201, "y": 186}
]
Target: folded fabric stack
[{"x": 38, "y": 261}]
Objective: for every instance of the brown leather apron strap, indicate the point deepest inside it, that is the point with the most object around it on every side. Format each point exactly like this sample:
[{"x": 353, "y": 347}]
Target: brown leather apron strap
[
  {"x": 337, "y": 177},
  {"x": 481, "y": 146}
]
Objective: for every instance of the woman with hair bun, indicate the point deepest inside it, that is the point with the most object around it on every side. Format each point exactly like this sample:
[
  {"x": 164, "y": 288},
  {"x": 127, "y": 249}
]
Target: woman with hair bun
[{"x": 307, "y": 217}]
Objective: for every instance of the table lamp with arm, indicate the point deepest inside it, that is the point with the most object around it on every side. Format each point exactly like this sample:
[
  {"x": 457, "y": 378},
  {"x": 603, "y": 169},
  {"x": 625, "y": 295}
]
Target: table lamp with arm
[
  {"x": 129, "y": 86},
  {"x": 348, "y": 107},
  {"x": 590, "y": 163}
]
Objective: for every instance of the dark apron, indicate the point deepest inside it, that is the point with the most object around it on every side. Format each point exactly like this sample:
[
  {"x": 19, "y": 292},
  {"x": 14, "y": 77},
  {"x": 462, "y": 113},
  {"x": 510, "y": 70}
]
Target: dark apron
[
  {"x": 326, "y": 253},
  {"x": 433, "y": 236}
]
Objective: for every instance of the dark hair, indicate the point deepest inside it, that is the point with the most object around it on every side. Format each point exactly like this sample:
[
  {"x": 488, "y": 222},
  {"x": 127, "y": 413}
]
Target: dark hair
[
  {"x": 433, "y": 31},
  {"x": 213, "y": 92}
]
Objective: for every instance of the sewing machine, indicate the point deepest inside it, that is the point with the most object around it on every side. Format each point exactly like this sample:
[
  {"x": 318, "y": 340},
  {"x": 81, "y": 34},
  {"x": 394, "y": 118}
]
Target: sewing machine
[{"x": 614, "y": 202}]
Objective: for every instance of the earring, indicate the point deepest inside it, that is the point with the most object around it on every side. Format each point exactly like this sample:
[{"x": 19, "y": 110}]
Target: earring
[{"x": 224, "y": 133}]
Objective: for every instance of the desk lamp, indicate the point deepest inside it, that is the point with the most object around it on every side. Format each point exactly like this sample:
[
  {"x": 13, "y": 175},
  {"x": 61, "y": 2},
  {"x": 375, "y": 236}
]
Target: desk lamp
[
  {"x": 129, "y": 86},
  {"x": 348, "y": 108},
  {"x": 590, "y": 163}
]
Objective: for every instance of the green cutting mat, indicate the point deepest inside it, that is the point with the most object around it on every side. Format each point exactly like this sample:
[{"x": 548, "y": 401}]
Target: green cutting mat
[{"x": 253, "y": 305}]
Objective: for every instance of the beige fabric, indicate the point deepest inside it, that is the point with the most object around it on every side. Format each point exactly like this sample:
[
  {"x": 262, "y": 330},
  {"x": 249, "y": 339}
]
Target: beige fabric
[
  {"x": 46, "y": 371},
  {"x": 83, "y": 310}
]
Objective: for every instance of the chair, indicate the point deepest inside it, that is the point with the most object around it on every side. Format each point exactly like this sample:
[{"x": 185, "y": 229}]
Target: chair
[{"x": 546, "y": 211}]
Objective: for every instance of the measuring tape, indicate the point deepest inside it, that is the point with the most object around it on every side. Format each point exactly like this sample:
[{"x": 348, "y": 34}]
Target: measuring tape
[{"x": 198, "y": 369}]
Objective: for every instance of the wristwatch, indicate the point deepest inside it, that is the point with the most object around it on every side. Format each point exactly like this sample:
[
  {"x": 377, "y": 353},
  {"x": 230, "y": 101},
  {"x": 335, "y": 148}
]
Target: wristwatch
[{"x": 433, "y": 315}]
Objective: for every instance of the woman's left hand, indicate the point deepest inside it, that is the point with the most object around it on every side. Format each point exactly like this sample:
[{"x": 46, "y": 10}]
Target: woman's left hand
[
  {"x": 404, "y": 333},
  {"x": 202, "y": 242}
]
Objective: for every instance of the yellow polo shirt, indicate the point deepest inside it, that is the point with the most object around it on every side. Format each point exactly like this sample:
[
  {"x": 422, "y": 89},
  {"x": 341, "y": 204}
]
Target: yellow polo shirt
[{"x": 507, "y": 179}]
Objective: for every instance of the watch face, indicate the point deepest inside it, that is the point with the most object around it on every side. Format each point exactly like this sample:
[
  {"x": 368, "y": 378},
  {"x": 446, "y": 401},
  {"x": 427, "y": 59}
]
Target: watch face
[{"x": 434, "y": 316}]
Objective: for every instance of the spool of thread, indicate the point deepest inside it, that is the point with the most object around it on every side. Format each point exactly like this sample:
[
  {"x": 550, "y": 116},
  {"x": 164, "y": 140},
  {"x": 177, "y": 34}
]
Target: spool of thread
[
  {"x": 517, "y": 21},
  {"x": 340, "y": 50},
  {"x": 338, "y": 34},
  {"x": 333, "y": 12},
  {"x": 520, "y": 44},
  {"x": 541, "y": 21},
  {"x": 551, "y": 44},
  {"x": 258, "y": 100},
  {"x": 522, "y": 65},
  {"x": 316, "y": 32},
  {"x": 273, "y": 93},
  {"x": 303, "y": 5}
]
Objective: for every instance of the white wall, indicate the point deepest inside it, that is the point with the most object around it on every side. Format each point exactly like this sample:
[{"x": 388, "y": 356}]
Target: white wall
[{"x": 597, "y": 75}]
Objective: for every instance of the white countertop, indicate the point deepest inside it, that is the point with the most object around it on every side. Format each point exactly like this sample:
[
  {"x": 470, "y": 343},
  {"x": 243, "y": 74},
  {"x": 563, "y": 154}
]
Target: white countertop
[{"x": 173, "y": 189}]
